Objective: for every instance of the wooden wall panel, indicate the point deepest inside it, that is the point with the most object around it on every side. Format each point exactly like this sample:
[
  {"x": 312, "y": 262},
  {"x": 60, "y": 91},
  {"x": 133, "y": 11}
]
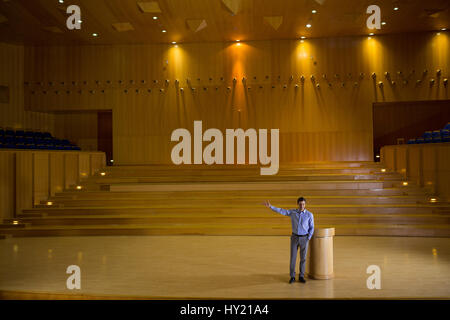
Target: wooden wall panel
[
  {"x": 83, "y": 165},
  {"x": 427, "y": 163},
  {"x": 7, "y": 184},
  {"x": 329, "y": 122},
  {"x": 41, "y": 177},
  {"x": 57, "y": 173},
  {"x": 24, "y": 180},
  {"x": 38, "y": 175},
  {"x": 71, "y": 168},
  {"x": 13, "y": 114}
]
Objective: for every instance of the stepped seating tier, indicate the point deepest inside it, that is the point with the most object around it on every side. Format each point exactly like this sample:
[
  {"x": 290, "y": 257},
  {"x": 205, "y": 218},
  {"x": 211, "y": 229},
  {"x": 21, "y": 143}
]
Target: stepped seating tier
[{"x": 356, "y": 198}]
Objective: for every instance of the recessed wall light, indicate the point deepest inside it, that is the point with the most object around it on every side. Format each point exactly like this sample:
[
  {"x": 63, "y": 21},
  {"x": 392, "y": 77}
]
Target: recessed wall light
[
  {"x": 302, "y": 37},
  {"x": 443, "y": 29},
  {"x": 164, "y": 31},
  {"x": 61, "y": 1},
  {"x": 371, "y": 34},
  {"x": 95, "y": 35},
  {"x": 314, "y": 11},
  {"x": 155, "y": 18},
  {"x": 173, "y": 42},
  {"x": 383, "y": 23},
  {"x": 396, "y": 8},
  {"x": 308, "y": 25}
]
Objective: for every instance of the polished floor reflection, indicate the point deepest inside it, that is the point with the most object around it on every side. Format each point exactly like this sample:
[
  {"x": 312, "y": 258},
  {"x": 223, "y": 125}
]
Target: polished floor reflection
[{"x": 255, "y": 267}]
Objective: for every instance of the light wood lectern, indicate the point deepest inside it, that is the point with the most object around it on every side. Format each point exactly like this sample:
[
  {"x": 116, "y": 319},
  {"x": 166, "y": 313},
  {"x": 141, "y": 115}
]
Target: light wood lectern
[{"x": 319, "y": 261}]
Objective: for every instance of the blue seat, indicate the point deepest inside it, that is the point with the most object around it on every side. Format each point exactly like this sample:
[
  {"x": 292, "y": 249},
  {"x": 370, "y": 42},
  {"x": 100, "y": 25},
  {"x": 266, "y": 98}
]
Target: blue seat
[
  {"x": 46, "y": 135},
  {"x": 10, "y": 133},
  {"x": 29, "y": 134},
  {"x": 20, "y": 133},
  {"x": 2, "y": 132},
  {"x": 445, "y": 135},
  {"x": 427, "y": 136},
  {"x": 436, "y": 136},
  {"x": 411, "y": 141},
  {"x": 420, "y": 140},
  {"x": 447, "y": 126}
]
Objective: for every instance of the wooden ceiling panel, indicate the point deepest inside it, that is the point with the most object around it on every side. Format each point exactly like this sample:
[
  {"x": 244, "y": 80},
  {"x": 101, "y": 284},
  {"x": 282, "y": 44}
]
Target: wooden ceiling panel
[{"x": 26, "y": 21}]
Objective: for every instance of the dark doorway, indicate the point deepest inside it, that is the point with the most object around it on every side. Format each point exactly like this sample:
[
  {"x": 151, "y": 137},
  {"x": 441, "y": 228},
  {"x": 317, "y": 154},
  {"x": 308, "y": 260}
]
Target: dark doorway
[
  {"x": 406, "y": 120},
  {"x": 105, "y": 134}
]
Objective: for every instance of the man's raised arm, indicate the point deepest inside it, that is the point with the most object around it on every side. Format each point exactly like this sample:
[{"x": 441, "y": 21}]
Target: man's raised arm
[{"x": 284, "y": 212}]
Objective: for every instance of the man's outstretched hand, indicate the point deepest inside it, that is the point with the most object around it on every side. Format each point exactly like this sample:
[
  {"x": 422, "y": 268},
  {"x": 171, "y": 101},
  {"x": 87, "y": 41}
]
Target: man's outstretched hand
[{"x": 266, "y": 203}]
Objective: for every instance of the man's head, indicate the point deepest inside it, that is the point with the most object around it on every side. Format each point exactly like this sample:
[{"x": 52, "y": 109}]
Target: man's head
[{"x": 301, "y": 203}]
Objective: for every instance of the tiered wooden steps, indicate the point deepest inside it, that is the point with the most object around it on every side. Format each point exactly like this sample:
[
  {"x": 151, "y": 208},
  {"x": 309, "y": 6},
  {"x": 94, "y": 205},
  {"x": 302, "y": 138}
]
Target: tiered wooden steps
[{"x": 356, "y": 198}]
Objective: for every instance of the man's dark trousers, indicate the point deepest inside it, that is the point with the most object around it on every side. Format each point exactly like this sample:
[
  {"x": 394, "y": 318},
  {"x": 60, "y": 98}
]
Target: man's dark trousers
[{"x": 296, "y": 242}]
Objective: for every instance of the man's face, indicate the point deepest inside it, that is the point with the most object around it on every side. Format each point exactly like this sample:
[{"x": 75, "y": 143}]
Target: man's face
[{"x": 302, "y": 205}]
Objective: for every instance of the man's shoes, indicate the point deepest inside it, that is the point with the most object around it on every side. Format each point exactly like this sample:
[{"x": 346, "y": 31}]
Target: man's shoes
[
  {"x": 292, "y": 280},
  {"x": 302, "y": 280}
]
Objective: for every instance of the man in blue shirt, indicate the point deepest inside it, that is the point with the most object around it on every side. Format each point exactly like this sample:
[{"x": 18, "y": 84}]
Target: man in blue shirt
[{"x": 302, "y": 230}]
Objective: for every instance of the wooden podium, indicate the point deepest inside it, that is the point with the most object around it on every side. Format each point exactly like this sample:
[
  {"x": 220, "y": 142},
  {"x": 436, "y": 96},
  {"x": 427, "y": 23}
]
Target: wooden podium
[{"x": 319, "y": 261}]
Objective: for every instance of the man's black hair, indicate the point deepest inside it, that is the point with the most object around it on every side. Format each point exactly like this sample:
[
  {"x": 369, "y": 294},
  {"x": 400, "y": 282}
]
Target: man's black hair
[{"x": 301, "y": 199}]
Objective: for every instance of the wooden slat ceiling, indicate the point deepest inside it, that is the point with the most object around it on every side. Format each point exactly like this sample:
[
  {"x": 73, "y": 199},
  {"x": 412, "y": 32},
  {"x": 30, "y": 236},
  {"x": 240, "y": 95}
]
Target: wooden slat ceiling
[{"x": 43, "y": 22}]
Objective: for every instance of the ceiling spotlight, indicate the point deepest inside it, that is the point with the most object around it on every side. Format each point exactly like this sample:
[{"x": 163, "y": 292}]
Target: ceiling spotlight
[
  {"x": 383, "y": 23},
  {"x": 238, "y": 40},
  {"x": 396, "y": 8},
  {"x": 314, "y": 11},
  {"x": 173, "y": 42},
  {"x": 302, "y": 37},
  {"x": 61, "y": 1},
  {"x": 438, "y": 33},
  {"x": 308, "y": 25},
  {"x": 155, "y": 18},
  {"x": 443, "y": 29},
  {"x": 405, "y": 183},
  {"x": 369, "y": 38},
  {"x": 163, "y": 31},
  {"x": 371, "y": 34},
  {"x": 94, "y": 34},
  {"x": 79, "y": 21},
  {"x": 302, "y": 41}
]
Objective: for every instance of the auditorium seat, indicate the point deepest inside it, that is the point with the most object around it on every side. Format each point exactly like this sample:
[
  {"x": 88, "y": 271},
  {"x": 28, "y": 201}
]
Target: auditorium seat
[{"x": 28, "y": 139}]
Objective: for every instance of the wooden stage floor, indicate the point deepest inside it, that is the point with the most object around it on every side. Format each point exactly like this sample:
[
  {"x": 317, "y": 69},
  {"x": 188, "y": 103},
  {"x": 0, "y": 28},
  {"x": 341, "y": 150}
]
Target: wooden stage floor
[{"x": 218, "y": 267}]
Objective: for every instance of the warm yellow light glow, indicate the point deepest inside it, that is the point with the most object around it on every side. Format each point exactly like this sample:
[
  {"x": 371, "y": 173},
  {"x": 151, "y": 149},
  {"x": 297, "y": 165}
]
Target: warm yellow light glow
[
  {"x": 155, "y": 18},
  {"x": 443, "y": 29},
  {"x": 79, "y": 187},
  {"x": 434, "y": 251},
  {"x": 308, "y": 25},
  {"x": 377, "y": 156},
  {"x": 314, "y": 11},
  {"x": 369, "y": 38},
  {"x": 102, "y": 173},
  {"x": 405, "y": 183},
  {"x": 383, "y": 170},
  {"x": 163, "y": 31},
  {"x": 15, "y": 222},
  {"x": 396, "y": 8},
  {"x": 433, "y": 200},
  {"x": 49, "y": 203},
  {"x": 238, "y": 44},
  {"x": 83, "y": 174},
  {"x": 94, "y": 34},
  {"x": 371, "y": 34},
  {"x": 238, "y": 40},
  {"x": 383, "y": 23},
  {"x": 438, "y": 33}
]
